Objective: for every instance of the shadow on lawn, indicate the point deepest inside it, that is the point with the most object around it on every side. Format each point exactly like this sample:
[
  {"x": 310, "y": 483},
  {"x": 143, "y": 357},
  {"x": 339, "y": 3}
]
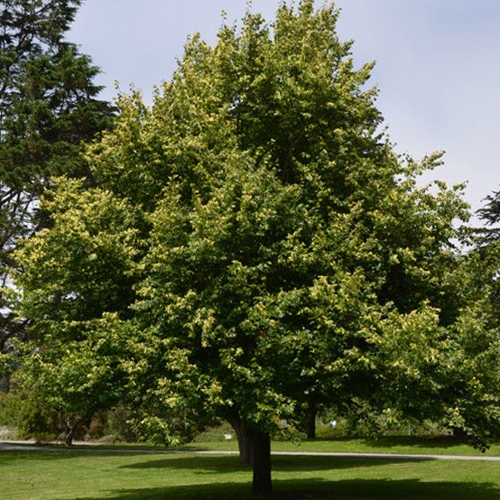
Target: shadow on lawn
[
  {"x": 317, "y": 489},
  {"x": 213, "y": 464},
  {"x": 427, "y": 442}
]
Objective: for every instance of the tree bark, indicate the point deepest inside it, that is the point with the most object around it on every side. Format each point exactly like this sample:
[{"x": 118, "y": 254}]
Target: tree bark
[
  {"x": 71, "y": 429},
  {"x": 70, "y": 434},
  {"x": 262, "y": 484},
  {"x": 311, "y": 420},
  {"x": 245, "y": 437},
  {"x": 255, "y": 449}
]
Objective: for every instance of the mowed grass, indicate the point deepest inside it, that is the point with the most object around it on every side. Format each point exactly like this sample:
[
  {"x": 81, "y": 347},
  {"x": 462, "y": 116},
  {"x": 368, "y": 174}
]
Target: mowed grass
[
  {"x": 129, "y": 474},
  {"x": 391, "y": 445}
]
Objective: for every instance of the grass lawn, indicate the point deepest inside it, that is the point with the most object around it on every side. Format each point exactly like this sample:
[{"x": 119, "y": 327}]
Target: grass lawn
[
  {"x": 131, "y": 475},
  {"x": 394, "y": 445}
]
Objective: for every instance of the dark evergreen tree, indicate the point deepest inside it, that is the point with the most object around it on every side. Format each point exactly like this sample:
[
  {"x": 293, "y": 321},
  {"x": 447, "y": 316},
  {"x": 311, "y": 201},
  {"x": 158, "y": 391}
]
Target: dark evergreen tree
[{"x": 490, "y": 214}]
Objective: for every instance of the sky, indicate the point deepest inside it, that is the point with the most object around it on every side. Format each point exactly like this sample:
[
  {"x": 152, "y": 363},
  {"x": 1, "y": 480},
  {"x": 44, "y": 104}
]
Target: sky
[{"x": 437, "y": 66}]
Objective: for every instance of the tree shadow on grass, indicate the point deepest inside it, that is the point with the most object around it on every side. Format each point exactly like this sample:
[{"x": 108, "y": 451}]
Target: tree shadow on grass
[
  {"x": 317, "y": 489},
  {"x": 384, "y": 489},
  {"x": 427, "y": 442},
  {"x": 216, "y": 464},
  {"x": 437, "y": 442}
]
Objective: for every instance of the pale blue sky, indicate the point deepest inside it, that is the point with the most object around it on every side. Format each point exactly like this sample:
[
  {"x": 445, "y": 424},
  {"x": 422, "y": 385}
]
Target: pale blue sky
[{"x": 437, "y": 66}]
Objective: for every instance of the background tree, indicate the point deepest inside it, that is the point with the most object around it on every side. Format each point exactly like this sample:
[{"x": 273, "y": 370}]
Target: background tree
[
  {"x": 282, "y": 255},
  {"x": 48, "y": 106},
  {"x": 479, "y": 322},
  {"x": 490, "y": 214},
  {"x": 486, "y": 256},
  {"x": 82, "y": 270}
]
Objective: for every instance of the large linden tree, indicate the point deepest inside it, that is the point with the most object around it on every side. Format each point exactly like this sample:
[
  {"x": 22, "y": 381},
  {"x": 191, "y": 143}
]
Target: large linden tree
[{"x": 273, "y": 257}]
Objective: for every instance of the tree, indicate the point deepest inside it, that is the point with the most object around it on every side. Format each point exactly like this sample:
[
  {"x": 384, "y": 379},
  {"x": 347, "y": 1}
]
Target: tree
[
  {"x": 479, "y": 321},
  {"x": 76, "y": 379},
  {"x": 490, "y": 214},
  {"x": 48, "y": 107},
  {"x": 82, "y": 270},
  {"x": 284, "y": 254},
  {"x": 486, "y": 253}
]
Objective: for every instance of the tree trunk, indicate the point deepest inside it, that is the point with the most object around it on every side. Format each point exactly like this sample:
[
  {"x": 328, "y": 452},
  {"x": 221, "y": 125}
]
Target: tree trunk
[
  {"x": 262, "y": 484},
  {"x": 70, "y": 434},
  {"x": 255, "y": 449},
  {"x": 71, "y": 429},
  {"x": 311, "y": 420},
  {"x": 245, "y": 437}
]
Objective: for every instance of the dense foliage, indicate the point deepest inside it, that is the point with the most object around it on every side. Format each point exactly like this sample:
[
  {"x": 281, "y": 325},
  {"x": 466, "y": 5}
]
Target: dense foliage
[{"x": 253, "y": 248}]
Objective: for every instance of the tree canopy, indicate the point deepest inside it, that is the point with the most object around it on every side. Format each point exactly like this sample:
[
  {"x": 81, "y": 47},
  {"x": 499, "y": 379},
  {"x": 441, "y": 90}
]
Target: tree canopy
[{"x": 263, "y": 249}]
